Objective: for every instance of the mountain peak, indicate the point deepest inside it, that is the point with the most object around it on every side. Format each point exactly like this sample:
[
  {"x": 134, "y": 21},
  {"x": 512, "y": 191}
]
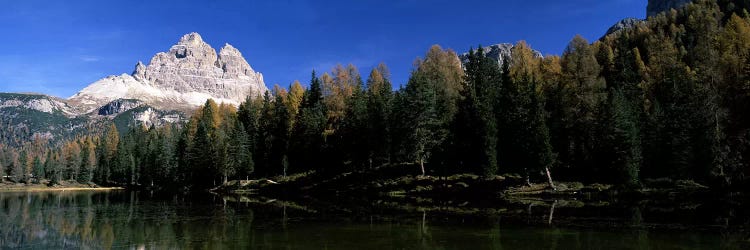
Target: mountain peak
[
  {"x": 140, "y": 70},
  {"x": 227, "y": 46},
  {"x": 191, "y": 38},
  {"x": 182, "y": 78}
]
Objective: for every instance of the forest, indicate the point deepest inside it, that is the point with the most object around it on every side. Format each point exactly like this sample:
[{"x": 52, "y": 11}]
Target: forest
[{"x": 668, "y": 98}]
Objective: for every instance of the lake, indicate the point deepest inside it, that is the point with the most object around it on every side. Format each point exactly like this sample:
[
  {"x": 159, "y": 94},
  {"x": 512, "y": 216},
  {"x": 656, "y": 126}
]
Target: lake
[{"x": 133, "y": 220}]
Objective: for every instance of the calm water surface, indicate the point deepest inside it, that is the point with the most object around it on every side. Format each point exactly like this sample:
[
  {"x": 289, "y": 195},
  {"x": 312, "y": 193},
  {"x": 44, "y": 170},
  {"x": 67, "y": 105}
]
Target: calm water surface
[{"x": 129, "y": 220}]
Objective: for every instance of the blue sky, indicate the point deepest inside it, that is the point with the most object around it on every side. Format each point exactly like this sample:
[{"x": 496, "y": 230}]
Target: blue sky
[{"x": 59, "y": 47}]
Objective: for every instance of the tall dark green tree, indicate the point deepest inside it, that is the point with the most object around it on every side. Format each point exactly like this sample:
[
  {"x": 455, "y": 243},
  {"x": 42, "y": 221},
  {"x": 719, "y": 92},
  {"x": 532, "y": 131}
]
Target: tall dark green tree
[
  {"x": 623, "y": 140},
  {"x": 431, "y": 96},
  {"x": 353, "y": 147},
  {"x": 249, "y": 114},
  {"x": 279, "y": 137},
  {"x": 308, "y": 140},
  {"x": 50, "y": 165},
  {"x": 379, "y": 98},
  {"x": 525, "y": 146},
  {"x": 241, "y": 156},
  {"x": 19, "y": 171},
  {"x": 475, "y": 127},
  {"x": 38, "y": 169}
]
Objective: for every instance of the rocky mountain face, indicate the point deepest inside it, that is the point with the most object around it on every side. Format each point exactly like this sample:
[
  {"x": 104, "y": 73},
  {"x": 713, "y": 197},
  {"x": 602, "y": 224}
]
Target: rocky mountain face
[
  {"x": 654, "y": 8},
  {"x": 146, "y": 116},
  {"x": 172, "y": 84},
  {"x": 27, "y": 116},
  {"x": 657, "y": 6},
  {"x": 127, "y": 111},
  {"x": 24, "y": 117},
  {"x": 498, "y": 52},
  {"x": 119, "y": 106},
  {"x": 38, "y": 102},
  {"x": 182, "y": 78},
  {"x": 623, "y": 24}
]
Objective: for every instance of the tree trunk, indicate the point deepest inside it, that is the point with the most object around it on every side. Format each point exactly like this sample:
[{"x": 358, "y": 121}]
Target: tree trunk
[
  {"x": 551, "y": 212},
  {"x": 549, "y": 179},
  {"x": 421, "y": 165}
]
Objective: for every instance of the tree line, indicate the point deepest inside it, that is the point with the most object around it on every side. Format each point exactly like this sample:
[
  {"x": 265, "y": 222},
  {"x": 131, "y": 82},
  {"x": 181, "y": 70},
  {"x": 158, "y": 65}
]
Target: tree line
[{"x": 664, "y": 99}]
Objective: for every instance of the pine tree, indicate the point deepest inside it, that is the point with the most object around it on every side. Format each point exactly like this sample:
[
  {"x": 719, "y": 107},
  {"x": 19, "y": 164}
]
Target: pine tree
[
  {"x": 83, "y": 175},
  {"x": 38, "y": 169},
  {"x": 249, "y": 114},
  {"x": 379, "y": 97},
  {"x": 52, "y": 165},
  {"x": 17, "y": 171},
  {"x": 315, "y": 94},
  {"x": 431, "y": 96},
  {"x": 49, "y": 167},
  {"x": 308, "y": 130},
  {"x": 525, "y": 145},
  {"x": 241, "y": 159},
  {"x": 107, "y": 154},
  {"x": 203, "y": 152},
  {"x": 475, "y": 126},
  {"x": 3, "y": 163},
  {"x": 584, "y": 95},
  {"x": 280, "y": 132},
  {"x": 264, "y": 146},
  {"x": 354, "y": 148},
  {"x": 623, "y": 140}
]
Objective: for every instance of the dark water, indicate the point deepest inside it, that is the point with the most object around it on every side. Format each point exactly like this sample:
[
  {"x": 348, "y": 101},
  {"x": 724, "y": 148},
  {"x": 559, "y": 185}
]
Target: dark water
[{"x": 129, "y": 220}]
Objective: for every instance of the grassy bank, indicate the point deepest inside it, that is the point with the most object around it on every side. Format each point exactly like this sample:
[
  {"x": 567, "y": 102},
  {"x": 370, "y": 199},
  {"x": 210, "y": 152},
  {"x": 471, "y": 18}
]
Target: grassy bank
[
  {"x": 44, "y": 186},
  {"x": 402, "y": 181}
]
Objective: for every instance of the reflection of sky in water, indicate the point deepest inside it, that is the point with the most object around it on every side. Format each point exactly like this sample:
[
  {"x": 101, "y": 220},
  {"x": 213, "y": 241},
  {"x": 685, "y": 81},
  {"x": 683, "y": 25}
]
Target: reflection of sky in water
[{"x": 116, "y": 220}]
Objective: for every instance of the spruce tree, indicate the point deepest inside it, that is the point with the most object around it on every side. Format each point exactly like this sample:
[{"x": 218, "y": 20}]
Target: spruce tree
[
  {"x": 431, "y": 97},
  {"x": 475, "y": 126},
  {"x": 355, "y": 148},
  {"x": 308, "y": 130},
  {"x": 38, "y": 169},
  {"x": 623, "y": 140},
  {"x": 379, "y": 97}
]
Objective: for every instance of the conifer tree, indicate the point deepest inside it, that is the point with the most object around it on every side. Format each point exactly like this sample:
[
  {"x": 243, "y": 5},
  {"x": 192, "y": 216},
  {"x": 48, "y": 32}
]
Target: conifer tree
[
  {"x": 309, "y": 129},
  {"x": 379, "y": 97},
  {"x": 475, "y": 128},
  {"x": 623, "y": 140}
]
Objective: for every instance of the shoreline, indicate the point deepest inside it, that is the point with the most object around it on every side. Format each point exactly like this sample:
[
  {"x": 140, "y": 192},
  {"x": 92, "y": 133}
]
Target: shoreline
[
  {"x": 50, "y": 189},
  {"x": 5, "y": 187}
]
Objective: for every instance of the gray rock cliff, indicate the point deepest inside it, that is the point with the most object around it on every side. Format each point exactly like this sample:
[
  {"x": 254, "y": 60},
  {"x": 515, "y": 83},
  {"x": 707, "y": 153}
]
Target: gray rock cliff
[
  {"x": 498, "y": 52},
  {"x": 182, "y": 78},
  {"x": 118, "y": 106},
  {"x": 623, "y": 24}
]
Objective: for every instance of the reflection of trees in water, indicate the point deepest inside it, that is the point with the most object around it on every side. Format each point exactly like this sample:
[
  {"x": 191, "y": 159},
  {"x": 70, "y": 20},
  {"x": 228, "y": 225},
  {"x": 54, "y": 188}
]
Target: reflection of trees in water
[
  {"x": 47, "y": 220},
  {"x": 90, "y": 220}
]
